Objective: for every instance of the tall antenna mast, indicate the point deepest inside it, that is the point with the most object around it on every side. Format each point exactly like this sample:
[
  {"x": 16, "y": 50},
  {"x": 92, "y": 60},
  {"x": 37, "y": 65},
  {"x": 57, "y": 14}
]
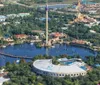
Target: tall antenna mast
[{"x": 46, "y": 22}]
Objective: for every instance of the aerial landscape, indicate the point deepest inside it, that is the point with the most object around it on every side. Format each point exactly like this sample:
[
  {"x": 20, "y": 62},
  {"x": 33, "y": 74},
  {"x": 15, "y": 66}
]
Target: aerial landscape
[{"x": 49, "y": 42}]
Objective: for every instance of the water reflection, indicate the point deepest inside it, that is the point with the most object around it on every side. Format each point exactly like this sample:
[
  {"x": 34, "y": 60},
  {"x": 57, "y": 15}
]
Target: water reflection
[{"x": 47, "y": 51}]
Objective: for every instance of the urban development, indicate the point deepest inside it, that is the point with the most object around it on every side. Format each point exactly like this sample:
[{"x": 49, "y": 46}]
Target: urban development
[{"x": 49, "y": 42}]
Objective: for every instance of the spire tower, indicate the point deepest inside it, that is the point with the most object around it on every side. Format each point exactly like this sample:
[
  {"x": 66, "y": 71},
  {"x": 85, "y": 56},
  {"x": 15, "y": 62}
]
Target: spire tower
[{"x": 47, "y": 23}]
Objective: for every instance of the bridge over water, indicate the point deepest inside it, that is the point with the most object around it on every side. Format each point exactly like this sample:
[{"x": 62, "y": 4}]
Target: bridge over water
[{"x": 13, "y": 56}]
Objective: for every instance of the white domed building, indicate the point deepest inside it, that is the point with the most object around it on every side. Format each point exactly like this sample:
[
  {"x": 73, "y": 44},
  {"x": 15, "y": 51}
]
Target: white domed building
[{"x": 70, "y": 67}]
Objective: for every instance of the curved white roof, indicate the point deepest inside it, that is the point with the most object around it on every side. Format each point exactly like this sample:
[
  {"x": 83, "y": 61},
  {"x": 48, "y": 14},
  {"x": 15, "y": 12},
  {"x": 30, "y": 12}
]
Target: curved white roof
[{"x": 47, "y": 66}]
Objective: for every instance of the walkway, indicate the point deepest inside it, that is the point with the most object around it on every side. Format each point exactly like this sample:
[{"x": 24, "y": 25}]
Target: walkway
[{"x": 13, "y": 56}]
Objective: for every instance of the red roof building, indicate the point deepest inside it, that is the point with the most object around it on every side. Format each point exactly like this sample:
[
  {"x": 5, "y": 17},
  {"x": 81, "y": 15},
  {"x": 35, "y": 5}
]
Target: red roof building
[
  {"x": 79, "y": 42},
  {"x": 57, "y": 34},
  {"x": 21, "y": 36}
]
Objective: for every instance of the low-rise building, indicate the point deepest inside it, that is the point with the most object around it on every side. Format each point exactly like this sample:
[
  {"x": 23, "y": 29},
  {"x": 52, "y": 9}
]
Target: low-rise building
[
  {"x": 11, "y": 15},
  {"x": 40, "y": 32},
  {"x": 92, "y": 8},
  {"x": 44, "y": 19},
  {"x": 80, "y": 42},
  {"x": 18, "y": 15},
  {"x": 92, "y": 31},
  {"x": 57, "y": 35},
  {"x": 92, "y": 11},
  {"x": 1, "y": 5},
  {"x": 21, "y": 36},
  {"x": 8, "y": 39},
  {"x": 23, "y": 14},
  {"x": 34, "y": 37},
  {"x": 3, "y": 77},
  {"x": 2, "y": 18},
  {"x": 2, "y": 80},
  {"x": 68, "y": 67}
]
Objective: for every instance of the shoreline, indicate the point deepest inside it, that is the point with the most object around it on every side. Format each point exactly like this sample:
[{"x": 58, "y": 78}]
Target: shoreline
[
  {"x": 70, "y": 44},
  {"x": 83, "y": 46},
  {"x": 60, "y": 45}
]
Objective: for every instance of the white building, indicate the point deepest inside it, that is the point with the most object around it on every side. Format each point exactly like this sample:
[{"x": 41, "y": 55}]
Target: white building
[
  {"x": 11, "y": 15},
  {"x": 2, "y": 80},
  {"x": 92, "y": 31},
  {"x": 45, "y": 67},
  {"x": 92, "y": 11},
  {"x": 23, "y": 14},
  {"x": 1, "y": 5},
  {"x": 2, "y": 18},
  {"x": 18, "y": 15}
]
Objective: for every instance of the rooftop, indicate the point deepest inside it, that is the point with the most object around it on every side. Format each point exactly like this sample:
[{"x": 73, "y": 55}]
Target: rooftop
[
  {"x": 2, "y": 79},
  {"x": 46, "y": 65},
  {"x": 2, "y": 16}
]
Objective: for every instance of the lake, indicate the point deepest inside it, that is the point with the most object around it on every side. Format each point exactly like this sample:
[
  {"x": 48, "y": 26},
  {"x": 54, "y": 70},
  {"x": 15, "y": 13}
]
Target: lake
[{"x": 31, "y": 51}]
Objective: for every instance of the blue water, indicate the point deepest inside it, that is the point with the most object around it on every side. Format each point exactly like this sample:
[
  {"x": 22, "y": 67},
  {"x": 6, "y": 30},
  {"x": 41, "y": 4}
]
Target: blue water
[
  {"x": 83, "y": 67},
  {"x": 31, "y": 51},
  {"x": 67, "y": 63}
]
